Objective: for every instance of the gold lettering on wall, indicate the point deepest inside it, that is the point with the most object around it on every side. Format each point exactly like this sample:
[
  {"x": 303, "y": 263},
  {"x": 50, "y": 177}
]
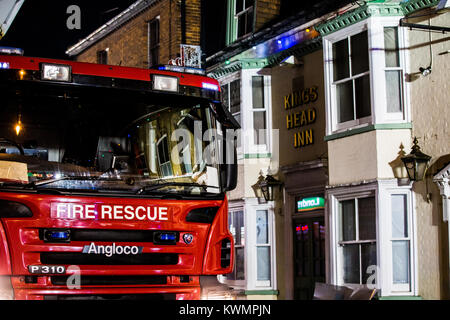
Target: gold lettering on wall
[
  {"x": 301, "y": 97},
  {"x": 303, "y": 117}
]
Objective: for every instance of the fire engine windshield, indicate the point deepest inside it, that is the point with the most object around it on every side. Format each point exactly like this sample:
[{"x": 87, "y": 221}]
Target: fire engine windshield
[{"x": 66, "y": 137}]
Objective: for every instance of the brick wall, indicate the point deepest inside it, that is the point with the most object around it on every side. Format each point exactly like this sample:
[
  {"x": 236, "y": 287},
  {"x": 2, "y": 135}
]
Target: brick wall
[
  {"x": 128, "y": 45},
  {"x": 266, "y": 10}
]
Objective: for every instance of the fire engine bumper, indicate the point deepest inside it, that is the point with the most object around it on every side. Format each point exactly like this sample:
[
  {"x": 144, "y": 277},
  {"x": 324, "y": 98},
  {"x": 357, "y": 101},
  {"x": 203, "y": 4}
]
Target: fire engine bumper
[{"x": 42, "y": 289}]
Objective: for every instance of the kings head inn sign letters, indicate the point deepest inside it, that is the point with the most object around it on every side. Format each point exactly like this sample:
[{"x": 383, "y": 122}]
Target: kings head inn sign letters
[{"x": 301, "y": 118}]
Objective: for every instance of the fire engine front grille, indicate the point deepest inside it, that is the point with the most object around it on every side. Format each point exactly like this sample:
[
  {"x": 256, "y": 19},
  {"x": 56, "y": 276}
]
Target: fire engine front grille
[
  {"x": 154, "y": 296},
  {"x": 95, "y": 259},
  {"x": 91, "y": 235},
  {"x": 112, "y": 280}
]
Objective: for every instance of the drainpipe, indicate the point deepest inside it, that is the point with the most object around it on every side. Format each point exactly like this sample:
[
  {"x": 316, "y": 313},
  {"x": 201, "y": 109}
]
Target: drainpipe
[{"x": 442, "y": 179}]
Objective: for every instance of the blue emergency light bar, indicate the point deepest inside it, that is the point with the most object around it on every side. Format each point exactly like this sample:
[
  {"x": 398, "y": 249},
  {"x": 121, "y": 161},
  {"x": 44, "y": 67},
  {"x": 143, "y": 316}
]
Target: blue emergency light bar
[
  {"x": 167, "y": 236},
  {"x": 57, "y": 235},
  {"x": 182, "y": 69}
]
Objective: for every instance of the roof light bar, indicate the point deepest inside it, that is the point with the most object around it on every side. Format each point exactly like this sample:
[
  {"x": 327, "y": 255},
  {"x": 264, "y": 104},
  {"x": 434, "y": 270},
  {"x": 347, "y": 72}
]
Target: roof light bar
[{"x": 182, "y": 69}]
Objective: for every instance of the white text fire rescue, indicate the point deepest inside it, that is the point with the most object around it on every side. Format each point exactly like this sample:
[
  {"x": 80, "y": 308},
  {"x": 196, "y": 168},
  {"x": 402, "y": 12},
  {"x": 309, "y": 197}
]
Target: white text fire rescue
[{"x": 67, "y": 210}]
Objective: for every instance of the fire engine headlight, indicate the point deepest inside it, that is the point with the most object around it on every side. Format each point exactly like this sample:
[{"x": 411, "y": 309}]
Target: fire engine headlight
[
  {"x": 56, "y": 72},
  {"x": 165, "y": 83}
]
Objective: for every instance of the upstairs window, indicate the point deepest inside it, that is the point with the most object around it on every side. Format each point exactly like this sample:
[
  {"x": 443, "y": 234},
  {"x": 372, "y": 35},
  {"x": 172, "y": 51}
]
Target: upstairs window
[
  {"x": 259, "y": 110},
  {"x": 231, "y": 96},
  {"x": 153, "y": 42},
  {"x": 393, "y": 71},
  {"x": 244, "y": 16},
  {"x": 364, "y": 75},
  {"x": 102, "y": 57},
  {"x": 351, "y": 79}
]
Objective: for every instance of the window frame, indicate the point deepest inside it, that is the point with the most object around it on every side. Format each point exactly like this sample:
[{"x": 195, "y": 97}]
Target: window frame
[
  {"x": 248, "y": 136},
  {"x": 151, "y": 47},
  {"x": 246, "y": 12},
  {"x": 251, "y": 253},
  {"x": 382, "y": 190},
  {"x": 232, "y": 208},
  {"x": 341, "y": 244},
  {"x": 387, "y": 189},
  {"x": 226, "y": 81},
  {"x": 377, "y": 69},
  {"x": 102, "y": 56}
]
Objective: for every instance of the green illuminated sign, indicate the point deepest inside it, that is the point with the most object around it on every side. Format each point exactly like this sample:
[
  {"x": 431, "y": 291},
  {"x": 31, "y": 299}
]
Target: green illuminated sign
[{"x": 308, "y": 204}]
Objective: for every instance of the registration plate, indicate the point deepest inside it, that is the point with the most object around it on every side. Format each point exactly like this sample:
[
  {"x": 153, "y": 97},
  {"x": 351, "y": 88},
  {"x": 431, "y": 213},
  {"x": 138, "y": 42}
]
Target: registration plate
[{"x": 42, "y": 269}]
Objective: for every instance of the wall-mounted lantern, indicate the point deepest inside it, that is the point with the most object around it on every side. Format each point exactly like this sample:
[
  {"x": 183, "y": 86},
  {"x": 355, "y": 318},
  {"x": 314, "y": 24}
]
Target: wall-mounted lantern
[
  {"x": 416, "y": 162},
  {"x": 268, "y": 187},
  {"x": 257, "y": 187}
]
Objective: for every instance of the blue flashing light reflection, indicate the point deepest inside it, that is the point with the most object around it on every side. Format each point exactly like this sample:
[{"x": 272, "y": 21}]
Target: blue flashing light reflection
[
  {"x": 58, "y": 235},
  {"x": 167, "y": 236}
]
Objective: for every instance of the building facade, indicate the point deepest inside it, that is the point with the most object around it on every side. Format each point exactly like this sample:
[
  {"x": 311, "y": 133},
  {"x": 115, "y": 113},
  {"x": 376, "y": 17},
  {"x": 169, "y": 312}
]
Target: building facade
[
  {"x": 345, "y": 92},
  {"x": 146, "y": 34},
  {"x": 329, "y": 98}
]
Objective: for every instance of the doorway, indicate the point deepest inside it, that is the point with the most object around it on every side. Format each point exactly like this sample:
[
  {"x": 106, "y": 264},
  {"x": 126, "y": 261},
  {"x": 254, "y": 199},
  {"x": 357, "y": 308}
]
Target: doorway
[{"x": 309, "y": 255}]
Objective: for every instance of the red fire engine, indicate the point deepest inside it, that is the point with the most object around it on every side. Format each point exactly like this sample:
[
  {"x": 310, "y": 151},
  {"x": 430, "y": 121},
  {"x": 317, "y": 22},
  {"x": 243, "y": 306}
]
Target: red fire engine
[{"x": 112, "y": 182}]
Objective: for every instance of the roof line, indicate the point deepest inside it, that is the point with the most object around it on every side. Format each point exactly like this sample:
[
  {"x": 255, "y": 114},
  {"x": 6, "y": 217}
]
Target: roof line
[{"x": 123, "y": 17}]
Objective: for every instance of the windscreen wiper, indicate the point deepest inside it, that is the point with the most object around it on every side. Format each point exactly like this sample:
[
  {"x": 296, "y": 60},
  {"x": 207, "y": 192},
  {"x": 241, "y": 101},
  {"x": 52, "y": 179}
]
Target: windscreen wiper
[
  {"x": 154, "y": 187},
  {"x": 37, "y": 184}
]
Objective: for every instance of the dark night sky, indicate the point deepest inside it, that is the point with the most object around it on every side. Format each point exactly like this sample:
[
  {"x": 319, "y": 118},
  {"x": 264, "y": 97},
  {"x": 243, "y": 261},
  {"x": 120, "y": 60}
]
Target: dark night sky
[{"x": 40, "y": 26}]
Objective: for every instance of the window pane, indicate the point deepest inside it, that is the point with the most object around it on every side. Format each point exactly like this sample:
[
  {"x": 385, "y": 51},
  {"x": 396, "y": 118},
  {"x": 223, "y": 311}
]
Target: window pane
[
  {"x": 368, "y": 258},
  {"x": 262, "y": 232},
  {"x": 344, "y": 99},
  {"x": 393, "y": 91},
  {"x": 391, "y": 47},
  {"x": 259, "y": 124},
  {"x": 248, "y": 3},
  {"x": 258, "y": 92},
  {"x": 239, "y": 5},
  {"x": 399, "y": 216},
  {"x": 263, "y": 263},
  {"x": 362, "y": 97},
  {"x": 400, "y": 261},
  {"x": 240, "y": 259},
  {"x": 340, "y": 60},
  {"x": 154, "y": 56},
  {"x": 238, "y": 271},
  {"x": 360, "y": 53},
  {"x": 249, "y": 21},
  {"x": 241, "y": 25},
  {"x": 351, "y": 263},
  {"x": 237, "y": 116},
  {"x": 225, "y": 100},
  {"x": 154, "y": 33},
  {"x": 347, "y": 219},
  {"x": 367, "y": 221},
  {"x": 235, "y": 96},
  {"x": 237, "y": 226}
]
